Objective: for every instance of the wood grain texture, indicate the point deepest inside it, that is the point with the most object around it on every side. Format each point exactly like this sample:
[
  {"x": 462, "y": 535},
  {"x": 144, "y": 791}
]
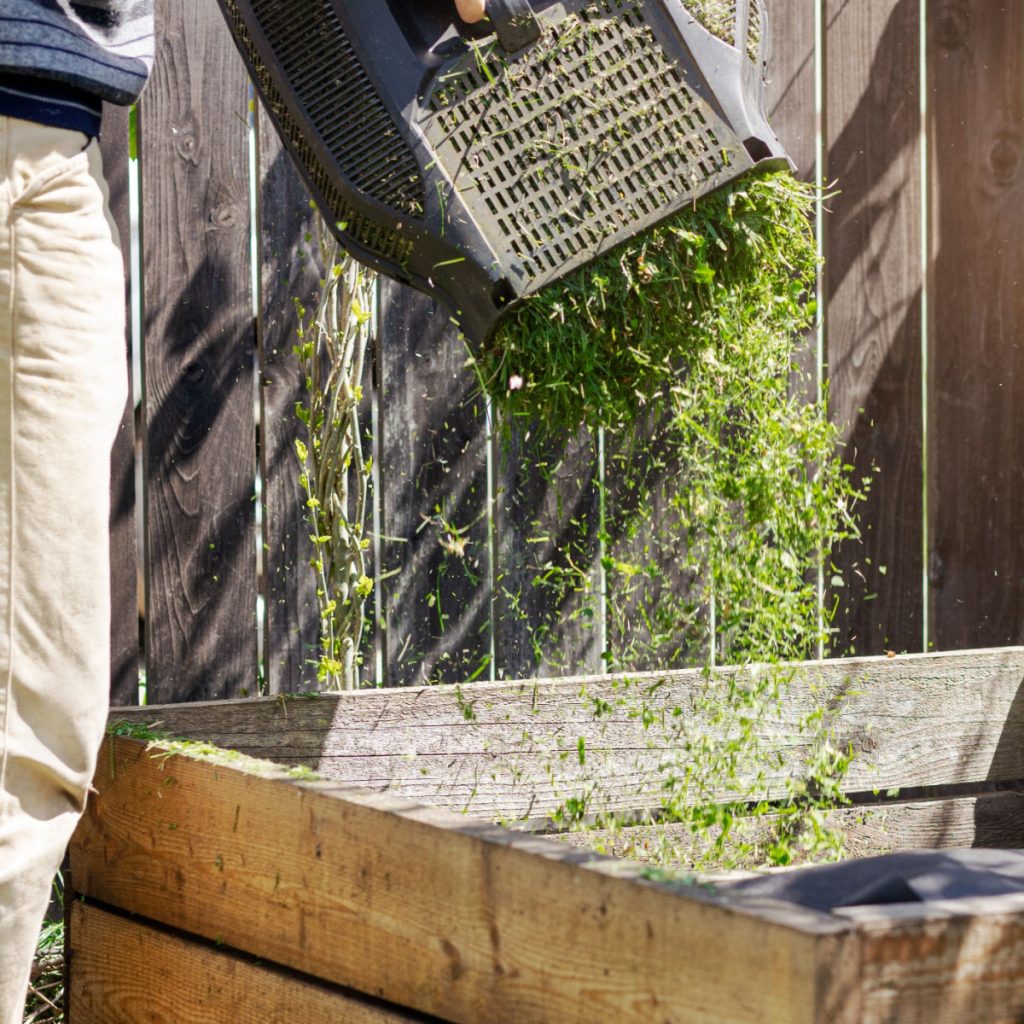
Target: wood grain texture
[
  {"x": 976, "y": 451},
  {"x": 993, "y": 821},
  {"x": 790, "y": 101},
  {"x": 199, "y": 448},
  {"x": 790, "y": 91},
  {"x": 290, "y": 268},
  {"x": 124, "y": 597},
  {"x": 873, "y": 319},
  {"x": 435, "y": 549},
  {"x": 128, "y": 970},
  {"x": 495, "y": 750},
  {"x": 424, "y": 910},
  {"x": 948, "y": 962},
  {"x": 546, "y": 525}
]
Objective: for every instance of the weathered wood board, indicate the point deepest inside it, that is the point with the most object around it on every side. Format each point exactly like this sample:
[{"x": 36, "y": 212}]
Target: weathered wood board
[
  {"x": 124, "y": 597},
  {"x": 975, "y": 121},
  {"x": 423, "y": 909},
  {"x": 873, "y": 284},
  {"x": 127, "y": 970},
  {"x": 546, "y": 524},
  {"x": 290, "y": 269},
  {"x": 494, "y": 750},
  {"x": 434, "y": 539},
  {"x": 199, "y": 449},
  {"x": 947, "y": 962}
]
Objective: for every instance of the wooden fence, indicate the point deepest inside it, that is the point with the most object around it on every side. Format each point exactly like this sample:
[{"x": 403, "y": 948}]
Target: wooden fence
[{"x": 915, "y": 107}]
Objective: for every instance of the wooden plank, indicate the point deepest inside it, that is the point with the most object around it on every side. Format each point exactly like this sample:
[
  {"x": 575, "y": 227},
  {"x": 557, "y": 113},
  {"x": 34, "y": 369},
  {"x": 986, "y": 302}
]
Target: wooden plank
[
  {"x": 790, "y": 91},
  {"x": 126, "y": 970},
  {"x": 992, "y": 821},
  {"x": 198, "y": 404},
  {"x": 124, "y": 597},
  {"x": 946, "y": 962},
  {"x": 976, "y": 436},
  {"x": 546, "y": 525},
  {"x": 421, "y": 909},
  {"x": 290, "y": 268},
  {"x": 435, "y": 551},
  {"x": 873, "y": 316},
  {"x": 493, "y": 749},
  {"x": 790, "y": 99}
]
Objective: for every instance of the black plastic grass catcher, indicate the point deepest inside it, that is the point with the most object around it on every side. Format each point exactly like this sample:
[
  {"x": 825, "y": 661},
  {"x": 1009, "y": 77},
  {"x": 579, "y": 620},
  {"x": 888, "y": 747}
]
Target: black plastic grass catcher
[{"x": 481, "y": 163}]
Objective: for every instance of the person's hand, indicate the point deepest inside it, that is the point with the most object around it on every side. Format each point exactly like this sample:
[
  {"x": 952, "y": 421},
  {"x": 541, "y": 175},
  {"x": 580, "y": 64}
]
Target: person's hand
[{"x": 471, "y": 10}]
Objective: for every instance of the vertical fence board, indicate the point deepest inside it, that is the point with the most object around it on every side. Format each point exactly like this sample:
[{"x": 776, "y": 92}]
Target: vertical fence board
[
  {"x": 547, "y": 518},
  {"x": 290, "y": 268},
  {"x": 873, "y": 319},
  {"x": 124, "y": 599},
  {"x": 198, "y": 392},
  {"x": 791, "y": 110},
  {"x": 790, "y": 93},
  {"x": 976, "y": 431},
  {"x": 435, "y": 558}
]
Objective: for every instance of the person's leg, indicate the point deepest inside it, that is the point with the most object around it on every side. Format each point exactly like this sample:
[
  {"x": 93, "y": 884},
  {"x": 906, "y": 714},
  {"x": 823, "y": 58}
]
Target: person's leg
[{"x": 63, "y": 384}]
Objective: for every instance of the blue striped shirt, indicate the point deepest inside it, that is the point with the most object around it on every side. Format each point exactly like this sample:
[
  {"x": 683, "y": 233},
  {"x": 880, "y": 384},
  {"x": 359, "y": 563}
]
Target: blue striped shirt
[
  {"x": 48, "y": 101},
  {"x": 101, "y": 49}
]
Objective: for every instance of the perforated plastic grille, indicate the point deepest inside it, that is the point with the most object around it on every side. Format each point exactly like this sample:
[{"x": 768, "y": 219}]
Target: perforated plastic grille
[
  {"x": 588, "y": 133},
  {"x": 755, "y": 29},
  {"x": 331, "y": 86},
  {"x": 372, "y": 236}
]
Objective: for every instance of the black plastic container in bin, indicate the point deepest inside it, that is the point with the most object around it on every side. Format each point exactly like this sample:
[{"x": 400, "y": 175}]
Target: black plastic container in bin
[{"x": 480, "y": 163}]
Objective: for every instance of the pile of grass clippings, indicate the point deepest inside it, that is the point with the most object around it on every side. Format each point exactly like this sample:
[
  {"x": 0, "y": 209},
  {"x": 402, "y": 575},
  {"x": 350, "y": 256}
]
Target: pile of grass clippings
[
  {"x": 717, "y": 16},
  {"x": 729, "y": 281}
]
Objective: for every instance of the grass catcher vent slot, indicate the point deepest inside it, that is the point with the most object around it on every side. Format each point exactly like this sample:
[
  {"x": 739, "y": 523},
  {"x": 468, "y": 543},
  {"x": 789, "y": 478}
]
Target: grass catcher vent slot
[{"x": 481, "y": 175}]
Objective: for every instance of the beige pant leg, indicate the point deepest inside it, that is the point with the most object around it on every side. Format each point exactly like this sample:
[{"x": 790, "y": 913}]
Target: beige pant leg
[{"x": 63, "y": 385}]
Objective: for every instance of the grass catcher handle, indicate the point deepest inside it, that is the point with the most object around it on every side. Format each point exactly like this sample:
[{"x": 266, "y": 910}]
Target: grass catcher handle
[{"x": 514, "y": 21}]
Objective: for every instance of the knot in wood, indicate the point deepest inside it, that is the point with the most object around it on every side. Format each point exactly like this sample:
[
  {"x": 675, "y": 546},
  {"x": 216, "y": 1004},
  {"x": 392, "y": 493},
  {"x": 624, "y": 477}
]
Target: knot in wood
[
  {"x": 952, "y": 25},
  {"x": 863, "y": 741},
  {"x": 224, "y": 215},
  {"x": 193, "y": 373},
  {"x": 186, "y": 145},
  {"x": 1004, "y": 159}
]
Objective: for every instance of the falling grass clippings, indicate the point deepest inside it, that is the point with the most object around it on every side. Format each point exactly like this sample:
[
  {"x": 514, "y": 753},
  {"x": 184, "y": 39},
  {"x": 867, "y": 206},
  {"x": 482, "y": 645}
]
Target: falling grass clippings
[
  {"x": 726, "y": 494},
  {"x": 728, "y": 280},
  {"x": 723, "y": 494}
]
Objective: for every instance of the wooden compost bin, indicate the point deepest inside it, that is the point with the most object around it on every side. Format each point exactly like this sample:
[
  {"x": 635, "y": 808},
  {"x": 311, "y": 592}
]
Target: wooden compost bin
[{"x": 211, "y": 887}]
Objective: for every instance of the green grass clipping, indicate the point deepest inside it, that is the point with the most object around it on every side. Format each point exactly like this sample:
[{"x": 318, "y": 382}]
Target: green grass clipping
[
  {"x": 726, "y": 283},
  {"x": 724, "y": 498}
]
